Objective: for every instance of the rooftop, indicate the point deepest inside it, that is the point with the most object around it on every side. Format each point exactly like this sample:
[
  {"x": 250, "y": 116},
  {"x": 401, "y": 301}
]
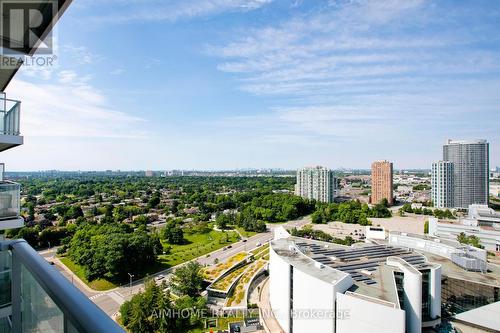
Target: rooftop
[
  {"x": 288, "y": 250},
  {"x": 491, "y": 277},
  {"x": 465, "y": 142},
  {"x": 364, "y": 263},
  {"x": 430, "y": 238}
]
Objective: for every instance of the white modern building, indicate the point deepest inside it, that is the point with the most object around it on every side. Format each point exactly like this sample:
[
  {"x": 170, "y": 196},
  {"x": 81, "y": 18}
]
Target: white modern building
[
  {"x": 442, "y": 184},
  {"x": 481, "y": 221},
  {"x": 324, "y": 287},
  {"x": 316, "y": 183},
  {"x": 470, "y": 160},
  {"x": 373, "y": 232},
  {"x": 470, "y": 286}
]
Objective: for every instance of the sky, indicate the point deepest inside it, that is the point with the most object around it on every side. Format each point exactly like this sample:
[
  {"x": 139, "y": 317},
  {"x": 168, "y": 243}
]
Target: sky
[{"x": 227, "y": 84}]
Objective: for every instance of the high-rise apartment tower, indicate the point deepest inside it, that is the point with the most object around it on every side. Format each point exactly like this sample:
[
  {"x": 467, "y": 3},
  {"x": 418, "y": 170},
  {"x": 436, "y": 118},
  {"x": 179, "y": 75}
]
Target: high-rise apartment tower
[
  {"x": 470, "y": 171},
  {"x": 316, "y": 183},
  {"x": 382, "y": 173},
  {"x": 442, "y": 184}
]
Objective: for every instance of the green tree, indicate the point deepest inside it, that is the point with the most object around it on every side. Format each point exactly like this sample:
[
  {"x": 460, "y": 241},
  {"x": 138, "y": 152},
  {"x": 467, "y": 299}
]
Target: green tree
[
  {"x": 223, "y": 221},
  {"x": 173, "y": 233},
  {"x": 187, "y": 279},
  {"x": 30, "y": 235},
  {"x": 469, "y": 240}
]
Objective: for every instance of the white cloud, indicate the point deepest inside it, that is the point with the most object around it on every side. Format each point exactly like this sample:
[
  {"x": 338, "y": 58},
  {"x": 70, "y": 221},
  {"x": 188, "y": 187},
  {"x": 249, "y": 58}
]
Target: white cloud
[
  {"x": 81, "y": 54},
  {"x": 364, "y": 67},
  {"x": 71, "y": 108},
  {"x": 357, "y": 40},
  {"x": 171, "y": 10}
]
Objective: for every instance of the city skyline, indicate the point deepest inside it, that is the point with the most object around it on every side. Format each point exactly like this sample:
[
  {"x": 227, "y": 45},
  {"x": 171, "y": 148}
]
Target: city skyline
[{"x": 245, "y": 84}]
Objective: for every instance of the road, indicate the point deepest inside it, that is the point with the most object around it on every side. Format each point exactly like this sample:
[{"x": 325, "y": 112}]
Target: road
[{"x": 110, "y": 301}]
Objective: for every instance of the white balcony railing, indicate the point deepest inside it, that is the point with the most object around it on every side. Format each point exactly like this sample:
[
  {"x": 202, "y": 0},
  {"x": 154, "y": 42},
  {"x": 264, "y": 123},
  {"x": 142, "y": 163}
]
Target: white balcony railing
[
  {"x": 9, "y": 200},
  {"x": 10, "y": 112}
]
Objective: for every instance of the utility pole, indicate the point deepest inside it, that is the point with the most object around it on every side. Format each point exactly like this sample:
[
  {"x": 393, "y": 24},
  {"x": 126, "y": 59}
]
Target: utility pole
[{"x": 131, "y": 276}]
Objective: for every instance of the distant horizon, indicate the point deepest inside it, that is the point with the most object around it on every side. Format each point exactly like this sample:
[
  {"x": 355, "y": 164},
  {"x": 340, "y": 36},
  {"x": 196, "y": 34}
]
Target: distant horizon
[{"x": 200, "y": 170}]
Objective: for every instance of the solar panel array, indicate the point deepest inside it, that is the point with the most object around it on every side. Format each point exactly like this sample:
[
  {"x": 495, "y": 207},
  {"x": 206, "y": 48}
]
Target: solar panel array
[{"x": 355, "y": 260}]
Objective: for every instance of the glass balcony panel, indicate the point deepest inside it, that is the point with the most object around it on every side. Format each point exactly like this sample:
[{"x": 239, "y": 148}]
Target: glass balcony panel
[
  {"x": 60, "y": 307},
  {"x": 5, "y": 279},
  {"x": 9, "y": 200},
  {"x": 5, "y": 325},
  {"x": 10, "y": 111},
  {"x": 39, "y": 312},
  {"x": 5, "y": 289},
  {"x": 5, "y": 261}
]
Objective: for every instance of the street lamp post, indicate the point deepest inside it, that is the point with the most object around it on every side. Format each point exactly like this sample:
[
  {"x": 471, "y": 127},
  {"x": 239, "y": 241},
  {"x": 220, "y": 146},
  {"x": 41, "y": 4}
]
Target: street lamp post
[{"x": 131, "y": 276}]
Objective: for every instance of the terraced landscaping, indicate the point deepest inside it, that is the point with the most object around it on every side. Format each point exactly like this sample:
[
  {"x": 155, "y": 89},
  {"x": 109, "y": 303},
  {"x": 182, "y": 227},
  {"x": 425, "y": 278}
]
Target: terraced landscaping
[
  {"x": 239, "y": 292},
  {"x": 224, "y": 283},
  {"x": 264, "y": 252},
  {"x": 212, "y": 272}
]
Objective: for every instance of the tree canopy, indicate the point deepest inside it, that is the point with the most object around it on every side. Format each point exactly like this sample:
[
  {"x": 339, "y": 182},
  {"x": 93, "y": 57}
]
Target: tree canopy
[
  {"x": 113, "y": 250},
  {"x": 348, "y": 212}
]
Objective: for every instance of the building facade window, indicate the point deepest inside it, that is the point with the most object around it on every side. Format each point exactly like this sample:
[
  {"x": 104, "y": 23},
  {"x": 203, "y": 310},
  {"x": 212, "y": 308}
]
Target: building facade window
[{"x": 459, "y": 295}]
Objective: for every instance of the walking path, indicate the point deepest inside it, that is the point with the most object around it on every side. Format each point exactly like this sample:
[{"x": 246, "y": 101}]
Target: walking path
[{"x": 269, "y": 321}]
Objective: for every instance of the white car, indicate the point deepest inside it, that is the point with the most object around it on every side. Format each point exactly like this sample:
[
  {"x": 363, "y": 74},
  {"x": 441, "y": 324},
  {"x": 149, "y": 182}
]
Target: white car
[{"x": 160, "y": 277}]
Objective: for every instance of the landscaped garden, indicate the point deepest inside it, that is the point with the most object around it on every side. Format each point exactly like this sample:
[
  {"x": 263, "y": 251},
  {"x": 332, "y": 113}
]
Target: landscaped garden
[
  {"x": 261, "y": 252},
  {"x": 241, "y": 286},
  {"x": 212, "y": 272},
  {"x": 224, "y": 283}
]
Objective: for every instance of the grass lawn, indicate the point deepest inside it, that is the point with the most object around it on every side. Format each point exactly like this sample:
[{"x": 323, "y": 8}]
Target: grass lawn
[
  {"x": 246, "y": 234},
  {"x": 197, "y": 245},
  {"x": 98, "y": 284}
]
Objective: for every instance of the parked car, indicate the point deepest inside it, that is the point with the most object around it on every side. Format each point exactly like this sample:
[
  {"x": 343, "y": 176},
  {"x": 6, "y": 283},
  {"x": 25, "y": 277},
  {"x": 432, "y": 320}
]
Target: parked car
[{"x": 160, "y": 277}]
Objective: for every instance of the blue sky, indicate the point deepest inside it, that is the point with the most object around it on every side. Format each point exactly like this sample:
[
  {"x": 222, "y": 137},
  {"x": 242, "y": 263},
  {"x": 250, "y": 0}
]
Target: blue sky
[{"x": 162, "y": 84}]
